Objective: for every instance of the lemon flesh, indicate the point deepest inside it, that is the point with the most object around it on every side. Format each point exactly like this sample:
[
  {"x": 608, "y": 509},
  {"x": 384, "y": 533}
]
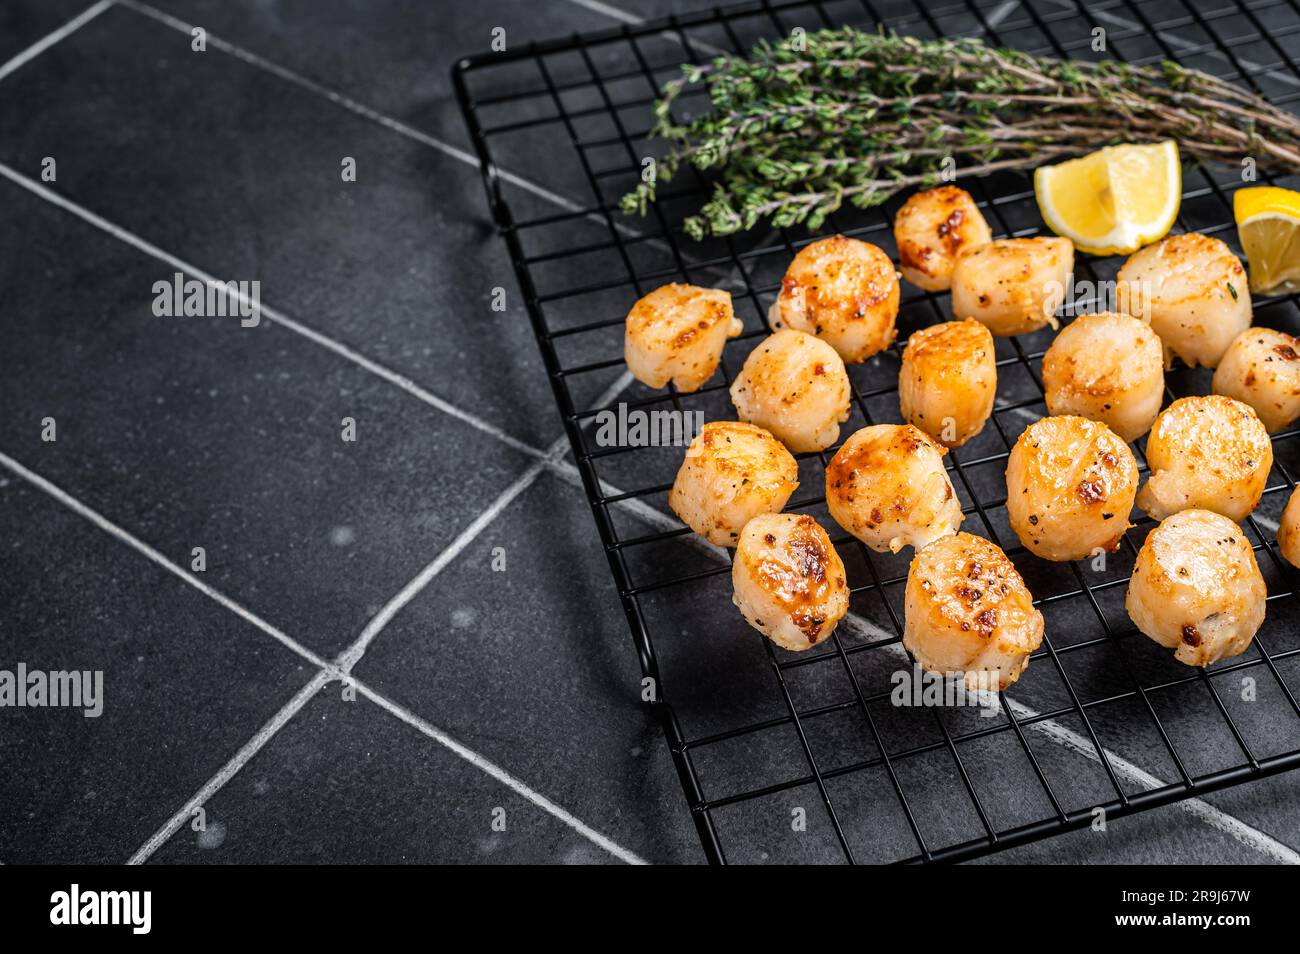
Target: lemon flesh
[
  {"x": 1115, "y": 200},
  {"x": 1268, "y": 224}
]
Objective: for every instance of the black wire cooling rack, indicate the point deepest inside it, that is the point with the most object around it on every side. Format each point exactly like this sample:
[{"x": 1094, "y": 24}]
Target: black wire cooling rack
[{"x": 749, "y": 727}]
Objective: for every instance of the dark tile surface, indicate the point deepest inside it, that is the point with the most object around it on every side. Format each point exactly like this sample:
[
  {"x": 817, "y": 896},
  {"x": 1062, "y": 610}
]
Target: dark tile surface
[
  {"x": 24, "y": 22},
  {"x": 199, "y": 432},
  {"x": 185, "y": 684},
  {"x": 238, "y": 172},
  {"x": 532, "y": 666},
  {"x": 346, "y": 783}
]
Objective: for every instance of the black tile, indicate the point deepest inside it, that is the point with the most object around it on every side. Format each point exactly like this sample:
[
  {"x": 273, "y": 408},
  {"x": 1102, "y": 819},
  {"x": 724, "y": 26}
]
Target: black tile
[
  {"x": 238, "y": 172},
  {"x": 534, "y": 667},
  {"x": 185, "y": 684},
  {"x": 199, "y": 432},
  {"x": 25, "y": 22},
  {"x": 345, "y": 782}
]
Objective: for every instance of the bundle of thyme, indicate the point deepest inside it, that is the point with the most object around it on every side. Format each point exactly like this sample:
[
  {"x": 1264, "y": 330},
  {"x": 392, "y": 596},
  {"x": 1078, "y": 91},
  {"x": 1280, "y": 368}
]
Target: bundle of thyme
[{"x": 800, "y": 127}]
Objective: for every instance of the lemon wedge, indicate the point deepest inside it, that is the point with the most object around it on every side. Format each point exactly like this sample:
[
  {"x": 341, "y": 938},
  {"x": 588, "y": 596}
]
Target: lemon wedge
[
  {"x": 1115, "y": 200},
  {"x": 1268, "y": 224}
]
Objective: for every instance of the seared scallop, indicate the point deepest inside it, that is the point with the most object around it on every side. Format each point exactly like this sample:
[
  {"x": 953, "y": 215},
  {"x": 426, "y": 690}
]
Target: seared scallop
[
  {"x": 1262, "y": 368},
  {"x": 1196, "y": 588},
  {"x": 795, "y": 386},
  {"x": 1107, "y": 368},
  {"x": 1192, "y": 290},
  {"x": 789, "y": 582},
  {"x": 888, "y": 488},
  {"x": 1070, "y": 488},
  {"x": 676, "y": 333},
  {"x": 1288, "y": 530},
  {"x": 968, "y": 611},
  {"x": 1209, "y": 452},
  {"x": 845, "y": 292},
  {"x": 934, "y": 227},
  {"x": 732, "y": 473},
  {"x": 948, "y": 380},
  {"x": 1014, "y": 286}
]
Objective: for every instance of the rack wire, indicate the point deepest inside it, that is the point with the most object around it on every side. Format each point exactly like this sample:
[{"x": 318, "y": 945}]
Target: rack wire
[{"x": 1101, "y": 720}]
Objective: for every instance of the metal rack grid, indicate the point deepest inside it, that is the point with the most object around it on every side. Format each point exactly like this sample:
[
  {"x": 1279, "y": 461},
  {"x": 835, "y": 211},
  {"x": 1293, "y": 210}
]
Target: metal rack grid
[{"x": 577, "y": 89}]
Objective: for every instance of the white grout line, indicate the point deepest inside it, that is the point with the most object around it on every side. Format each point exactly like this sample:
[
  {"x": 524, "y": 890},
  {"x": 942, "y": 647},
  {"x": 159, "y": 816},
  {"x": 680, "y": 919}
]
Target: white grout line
[
  {"x": 502, "y": 776},
  {"x": 39, "y": 47},
  {"x": 154, "y": 556},
  {"x": 631, "y": 19},
  {"x": 271, "y": 314},
  {"x": 228, "y": 771},
  {"x": 1202, "y": 810},
  {"x": 348, "y": 659}
]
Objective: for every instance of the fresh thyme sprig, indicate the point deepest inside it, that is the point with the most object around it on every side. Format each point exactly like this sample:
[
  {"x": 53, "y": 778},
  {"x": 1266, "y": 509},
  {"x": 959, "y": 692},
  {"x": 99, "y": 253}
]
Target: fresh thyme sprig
[{"x": 794, "y": 131}]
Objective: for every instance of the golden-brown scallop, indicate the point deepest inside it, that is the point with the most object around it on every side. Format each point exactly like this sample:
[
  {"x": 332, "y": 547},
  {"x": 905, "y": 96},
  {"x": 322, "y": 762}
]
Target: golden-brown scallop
[
  {"x": 676, "y": 333},
  {"x": 1208, "y": 452},
  {"x": 948, "y": 380},
  {"x": 732, "y": 473},
  {"x": 1196, "y": 588},
  {"x": 788, "y": 580},
  {"x": 1070, "y": 488},
  {"x": 1288, "y": 530},
  {"x": 795, "y": 386},
  {"x": 1014, "y": 286},
  {"x": 845, "y": 292},
  {"x": 888, "y": 488},
  {"x": 1192, "y": 290},
  {"x": 1107, "y": 368},
  {"x": 967, "y": 610},
  {"x": 1262, "y": 368},
  {"x": 934, "y": 227}
]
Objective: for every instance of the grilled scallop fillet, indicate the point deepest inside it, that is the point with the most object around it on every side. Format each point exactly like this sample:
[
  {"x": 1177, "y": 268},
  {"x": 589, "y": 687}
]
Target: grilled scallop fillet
[
  {"x": 1070, "y": 488},
  {"x": 732, "y": 473},
  {"x": 1014, "y": 286},
  {"x": 1192, "y": 290},
  {"x": 1196, "y": 588},
  {"x": 1288, "y": 530},
  {"x": 967, "y": 610},
  {"x": 932, "y": 229},
  {"x": 843, "y": 291},
  {"x": 888, "y": 488},
  {"x": 795, "y": 386},
  {"x": 1107, "y": 368},
  {"x": 789, "y": 582},
  {"x": 1262, "y": 368},
  {"x": 948, "y": 380},
  {"x": 677, "y": 333},
  {"x": 1208, "y": 453}
]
